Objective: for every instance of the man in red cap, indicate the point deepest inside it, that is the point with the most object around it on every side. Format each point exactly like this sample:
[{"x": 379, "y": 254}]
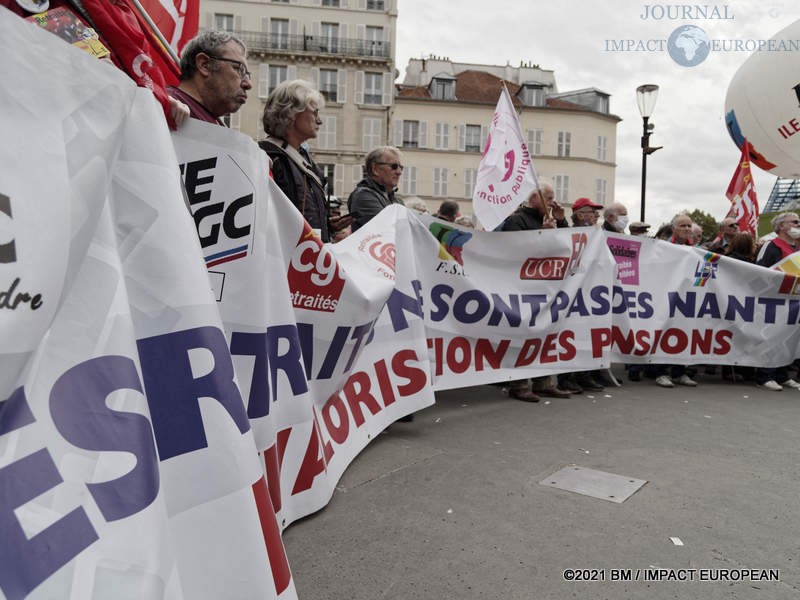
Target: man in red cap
[{"x": 584, "y": 212}]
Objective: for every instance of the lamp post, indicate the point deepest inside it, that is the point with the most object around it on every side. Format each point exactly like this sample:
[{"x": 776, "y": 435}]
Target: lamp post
[{"x": 646, "y": 96}]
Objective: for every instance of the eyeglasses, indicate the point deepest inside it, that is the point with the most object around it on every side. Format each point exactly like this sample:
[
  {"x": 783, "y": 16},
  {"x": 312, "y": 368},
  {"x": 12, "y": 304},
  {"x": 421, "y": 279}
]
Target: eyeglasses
[
  {"x": 734, "y": 225},
  {"x": 240, "y": 66},
  {"x": 392, "y": 166},
  {"x": 793, "y": 222}
]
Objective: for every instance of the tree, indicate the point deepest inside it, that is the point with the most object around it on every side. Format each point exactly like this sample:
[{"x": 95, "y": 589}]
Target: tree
[{"x": 709, "y": 224}]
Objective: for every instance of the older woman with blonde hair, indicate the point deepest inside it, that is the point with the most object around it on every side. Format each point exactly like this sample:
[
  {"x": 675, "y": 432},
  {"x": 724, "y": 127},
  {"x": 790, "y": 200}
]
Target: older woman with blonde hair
[{"x": 291, "y": 118}]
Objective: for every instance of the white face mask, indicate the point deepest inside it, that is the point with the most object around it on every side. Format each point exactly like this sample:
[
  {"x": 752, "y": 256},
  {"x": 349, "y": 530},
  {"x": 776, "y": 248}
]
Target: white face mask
[
  {"x": 621, "y": 223},
  {"x": 794, "y": 233}
]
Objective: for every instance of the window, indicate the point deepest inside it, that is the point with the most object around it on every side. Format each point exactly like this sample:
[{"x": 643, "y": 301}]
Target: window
[
  {"x": 374, "y": 44},
  {"x": 375, "y": 5},
  {"x": 600, "y": 191},
  {"x": 602, "y": 144},
  {"x": 562, "y": 188},
  {"x": 532, "y": 95},
  {"x": 564, "y": 143},
  {"x": 443, "y": 89},
  {"x": 408, "y": 182},
  {"x": 330, "y": 2},
  {"x": 329, "y": 37},
  {"x": 372, "y": 134},
  {"x": 470, "y": 178},
  {"x": 439, "y": 182},
  {"x": 328, "y": 84},
  {"x": 373, "y": 88},
  {"x": 410, "y": 134},
  {"x": 277, "y": 74},
  {"x": 472, "y": 139},
  {"x": 535, "y": 141},
  {"x": 442, "y": 139},
  {"x": 279, "y": 34},
  {"x": 224, "y": 22},
  {"x": 326, "y": 137}
]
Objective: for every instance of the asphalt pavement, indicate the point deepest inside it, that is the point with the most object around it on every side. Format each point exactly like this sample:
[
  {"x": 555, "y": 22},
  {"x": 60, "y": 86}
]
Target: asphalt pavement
[{"x": 450, "y": 505}]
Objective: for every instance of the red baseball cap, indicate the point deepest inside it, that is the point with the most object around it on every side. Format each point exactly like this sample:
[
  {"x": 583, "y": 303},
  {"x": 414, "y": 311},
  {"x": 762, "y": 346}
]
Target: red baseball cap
[{"x": 584, "y": 202}]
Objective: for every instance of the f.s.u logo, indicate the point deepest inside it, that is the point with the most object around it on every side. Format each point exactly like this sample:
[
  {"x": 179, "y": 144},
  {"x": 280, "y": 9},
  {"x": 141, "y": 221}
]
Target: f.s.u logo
[{"x": 8, "y": 249}]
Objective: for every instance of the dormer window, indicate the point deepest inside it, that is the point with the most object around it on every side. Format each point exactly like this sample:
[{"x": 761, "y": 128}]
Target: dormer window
[
  {"x": 443, "y": 88},
  {"x": 532, "y": 94}
]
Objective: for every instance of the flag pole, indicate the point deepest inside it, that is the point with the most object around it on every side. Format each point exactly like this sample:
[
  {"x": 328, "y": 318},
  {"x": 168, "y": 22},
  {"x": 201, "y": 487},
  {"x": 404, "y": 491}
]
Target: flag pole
[{"x": 156, "y": 32}]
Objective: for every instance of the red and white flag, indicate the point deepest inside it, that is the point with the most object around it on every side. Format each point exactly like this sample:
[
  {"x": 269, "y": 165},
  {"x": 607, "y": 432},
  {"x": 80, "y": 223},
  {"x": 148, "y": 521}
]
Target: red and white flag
[
  {"x": 506, "y": 175},
  {"x": 742, "y": 194},
  {"x": 177, "y": 20}
]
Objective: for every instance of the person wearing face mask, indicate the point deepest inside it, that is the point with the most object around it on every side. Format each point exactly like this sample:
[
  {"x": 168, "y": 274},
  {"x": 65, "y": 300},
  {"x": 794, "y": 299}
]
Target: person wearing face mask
[
  {"x": 615, "y": 217},
  {"x": 787, "y": 229}
]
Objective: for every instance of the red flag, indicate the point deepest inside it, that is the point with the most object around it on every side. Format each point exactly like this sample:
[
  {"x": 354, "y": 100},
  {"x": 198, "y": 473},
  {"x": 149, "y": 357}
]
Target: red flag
[
  {"x": 177, "y": 20},
  {"x": 742, "y": 194}
]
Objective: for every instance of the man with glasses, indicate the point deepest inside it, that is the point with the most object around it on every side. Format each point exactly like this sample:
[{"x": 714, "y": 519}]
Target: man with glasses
[
  {"x": 214, "y": 77},
  {"x": 382, "y": 170},
  {"x": 728, "y": 228}
]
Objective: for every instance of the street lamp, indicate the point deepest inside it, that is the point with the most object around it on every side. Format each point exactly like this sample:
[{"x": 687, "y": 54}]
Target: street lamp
[{"x": 646, "y": 96}]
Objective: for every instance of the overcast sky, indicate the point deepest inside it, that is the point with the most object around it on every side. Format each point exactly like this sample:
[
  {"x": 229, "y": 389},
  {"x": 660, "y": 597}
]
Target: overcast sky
[{"x": 570, "y": 37}]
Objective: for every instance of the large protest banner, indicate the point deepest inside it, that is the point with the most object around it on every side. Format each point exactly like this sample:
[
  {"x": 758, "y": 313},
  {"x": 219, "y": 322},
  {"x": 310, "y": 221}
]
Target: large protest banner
[{"x": 178, "y": 385}]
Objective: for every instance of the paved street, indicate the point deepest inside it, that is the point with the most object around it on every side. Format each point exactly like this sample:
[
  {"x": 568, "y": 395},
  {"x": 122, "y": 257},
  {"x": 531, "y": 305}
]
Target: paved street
[{"x": 449, "y": 506}]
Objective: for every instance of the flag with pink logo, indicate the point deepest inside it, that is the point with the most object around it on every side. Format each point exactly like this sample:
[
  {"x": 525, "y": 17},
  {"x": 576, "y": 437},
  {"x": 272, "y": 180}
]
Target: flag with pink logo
[
  {"x": 742, "y": 194},
  {"x": 506, "y": 176}
]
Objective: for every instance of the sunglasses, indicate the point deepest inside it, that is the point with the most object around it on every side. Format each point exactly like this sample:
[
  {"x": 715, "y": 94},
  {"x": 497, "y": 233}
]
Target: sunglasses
[{"x": 392, "y": 166}]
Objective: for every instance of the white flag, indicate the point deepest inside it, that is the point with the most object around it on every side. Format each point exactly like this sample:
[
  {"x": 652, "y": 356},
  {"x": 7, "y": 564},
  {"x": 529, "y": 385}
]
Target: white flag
[{"x": 506, "y": 175}]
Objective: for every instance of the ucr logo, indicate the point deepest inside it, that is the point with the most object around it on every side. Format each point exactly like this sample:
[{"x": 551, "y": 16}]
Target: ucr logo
[{"x": 314, "y": 279}]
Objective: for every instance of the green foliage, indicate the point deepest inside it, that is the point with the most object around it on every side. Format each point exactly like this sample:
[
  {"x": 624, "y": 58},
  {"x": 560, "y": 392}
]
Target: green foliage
[{"x": 709, "y": 224}]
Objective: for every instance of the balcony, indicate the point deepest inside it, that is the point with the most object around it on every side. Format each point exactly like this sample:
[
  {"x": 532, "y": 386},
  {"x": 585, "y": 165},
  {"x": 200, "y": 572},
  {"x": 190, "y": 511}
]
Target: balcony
[{"x": 257, "y": 41}]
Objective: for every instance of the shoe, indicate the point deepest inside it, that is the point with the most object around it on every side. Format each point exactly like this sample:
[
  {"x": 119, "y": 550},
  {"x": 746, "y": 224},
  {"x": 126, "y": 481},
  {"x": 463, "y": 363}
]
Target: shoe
[
  {"x": 553, "y": 392},
  {"x": 771, "y": 385},
  {"x": 791, "y": 383},
  {"x": 568, "y": 384},
  {"x": 686, "y": 380},
  {"x": 664, "y": 381},
  {"x": 588, "y": 383},
  {"x": 634, "y": 375},
  {"x": 524, "y": 395}
]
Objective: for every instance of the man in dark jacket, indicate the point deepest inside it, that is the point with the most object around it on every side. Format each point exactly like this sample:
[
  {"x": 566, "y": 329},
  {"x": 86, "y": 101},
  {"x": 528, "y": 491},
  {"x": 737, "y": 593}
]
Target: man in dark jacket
[{"x": 382, "y": 170}]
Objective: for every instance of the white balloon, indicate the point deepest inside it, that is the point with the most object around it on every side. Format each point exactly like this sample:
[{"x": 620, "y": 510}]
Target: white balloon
[{"x": 763, "y": 104}]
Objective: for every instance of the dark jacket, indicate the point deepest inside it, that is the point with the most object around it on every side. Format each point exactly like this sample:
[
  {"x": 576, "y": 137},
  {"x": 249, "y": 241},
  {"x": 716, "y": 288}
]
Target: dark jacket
[
  {"x": 304, "y": 185},
  {"x": 367, "y": 200},
  {"x": 526, "y": 218}
]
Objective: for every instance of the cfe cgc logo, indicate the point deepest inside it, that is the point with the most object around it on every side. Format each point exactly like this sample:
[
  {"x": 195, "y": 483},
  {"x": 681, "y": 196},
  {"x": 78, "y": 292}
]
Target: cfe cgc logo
[
  {"x": 315, "y": 282},
  {"x": 548, "y": 268}
]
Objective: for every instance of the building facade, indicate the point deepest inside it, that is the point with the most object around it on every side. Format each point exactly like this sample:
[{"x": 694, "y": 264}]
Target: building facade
[
  {"x": 344, "y": 47},
  {"x": 441, "y": 116}
]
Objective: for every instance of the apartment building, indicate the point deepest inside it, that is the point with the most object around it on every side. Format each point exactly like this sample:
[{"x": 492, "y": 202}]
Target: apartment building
[
  {"x": 344, "y": 47},
  {"x": 442, "y": 114}
]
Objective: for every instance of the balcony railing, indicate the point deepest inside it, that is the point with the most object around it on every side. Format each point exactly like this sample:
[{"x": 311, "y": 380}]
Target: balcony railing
[{"x": 257, "y": 41}]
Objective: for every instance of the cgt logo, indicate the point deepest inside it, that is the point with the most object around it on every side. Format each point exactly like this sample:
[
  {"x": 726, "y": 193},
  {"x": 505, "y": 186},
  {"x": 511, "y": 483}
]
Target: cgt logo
[
  {"x": 8, "y": 248},
  {"x": 221, "y": 200},
  {"x": 549, "y": 268},
  {"x": 314, "y": 279},
  {"x": 383, "y": 252}
]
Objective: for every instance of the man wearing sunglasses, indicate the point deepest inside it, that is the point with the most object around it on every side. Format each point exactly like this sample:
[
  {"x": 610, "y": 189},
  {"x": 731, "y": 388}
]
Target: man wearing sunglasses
[
  {"x": 214, "y": 77},
  {"x": 382, "y": 170},
  {"x": 728, "y": 228}
]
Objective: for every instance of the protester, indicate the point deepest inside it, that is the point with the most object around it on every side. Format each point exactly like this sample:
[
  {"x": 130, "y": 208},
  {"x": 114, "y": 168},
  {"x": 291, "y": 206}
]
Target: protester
[
  {"x": 214, "y": 77},
  {"x": 465, "y": 221},
  {"x": 448, "y": 211},
  {"x": 682, "y": 235},
  {"x": 638, "y": 228},
  {"x": 664, "y": 232},
  {"x": 697, "y": 234},
  {"x": 615, "y": 217},
  {"x": 741, "y": 247},
  {"x": 382, "y": 169},
  {"x": 291, "y": 118},
  {"x": 584, "y": 212},
  {"x": 728, "y": 228},
  {"x": 539, "y": 211},
  {"x": 787, "y": 229},
  {"x": 417, "y": 204}
]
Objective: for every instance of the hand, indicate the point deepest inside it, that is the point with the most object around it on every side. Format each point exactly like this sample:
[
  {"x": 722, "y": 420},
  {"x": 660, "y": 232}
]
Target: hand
[
  {"x": 549, "y": 222},
  {"x": 178, "y": 110},
  {"x": 338, "y": 223},
  {"x": 557, "y": 210}
]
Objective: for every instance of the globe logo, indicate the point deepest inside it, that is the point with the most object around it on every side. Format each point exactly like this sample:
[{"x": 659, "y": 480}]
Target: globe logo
[{"x": 689, "y": 45}]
